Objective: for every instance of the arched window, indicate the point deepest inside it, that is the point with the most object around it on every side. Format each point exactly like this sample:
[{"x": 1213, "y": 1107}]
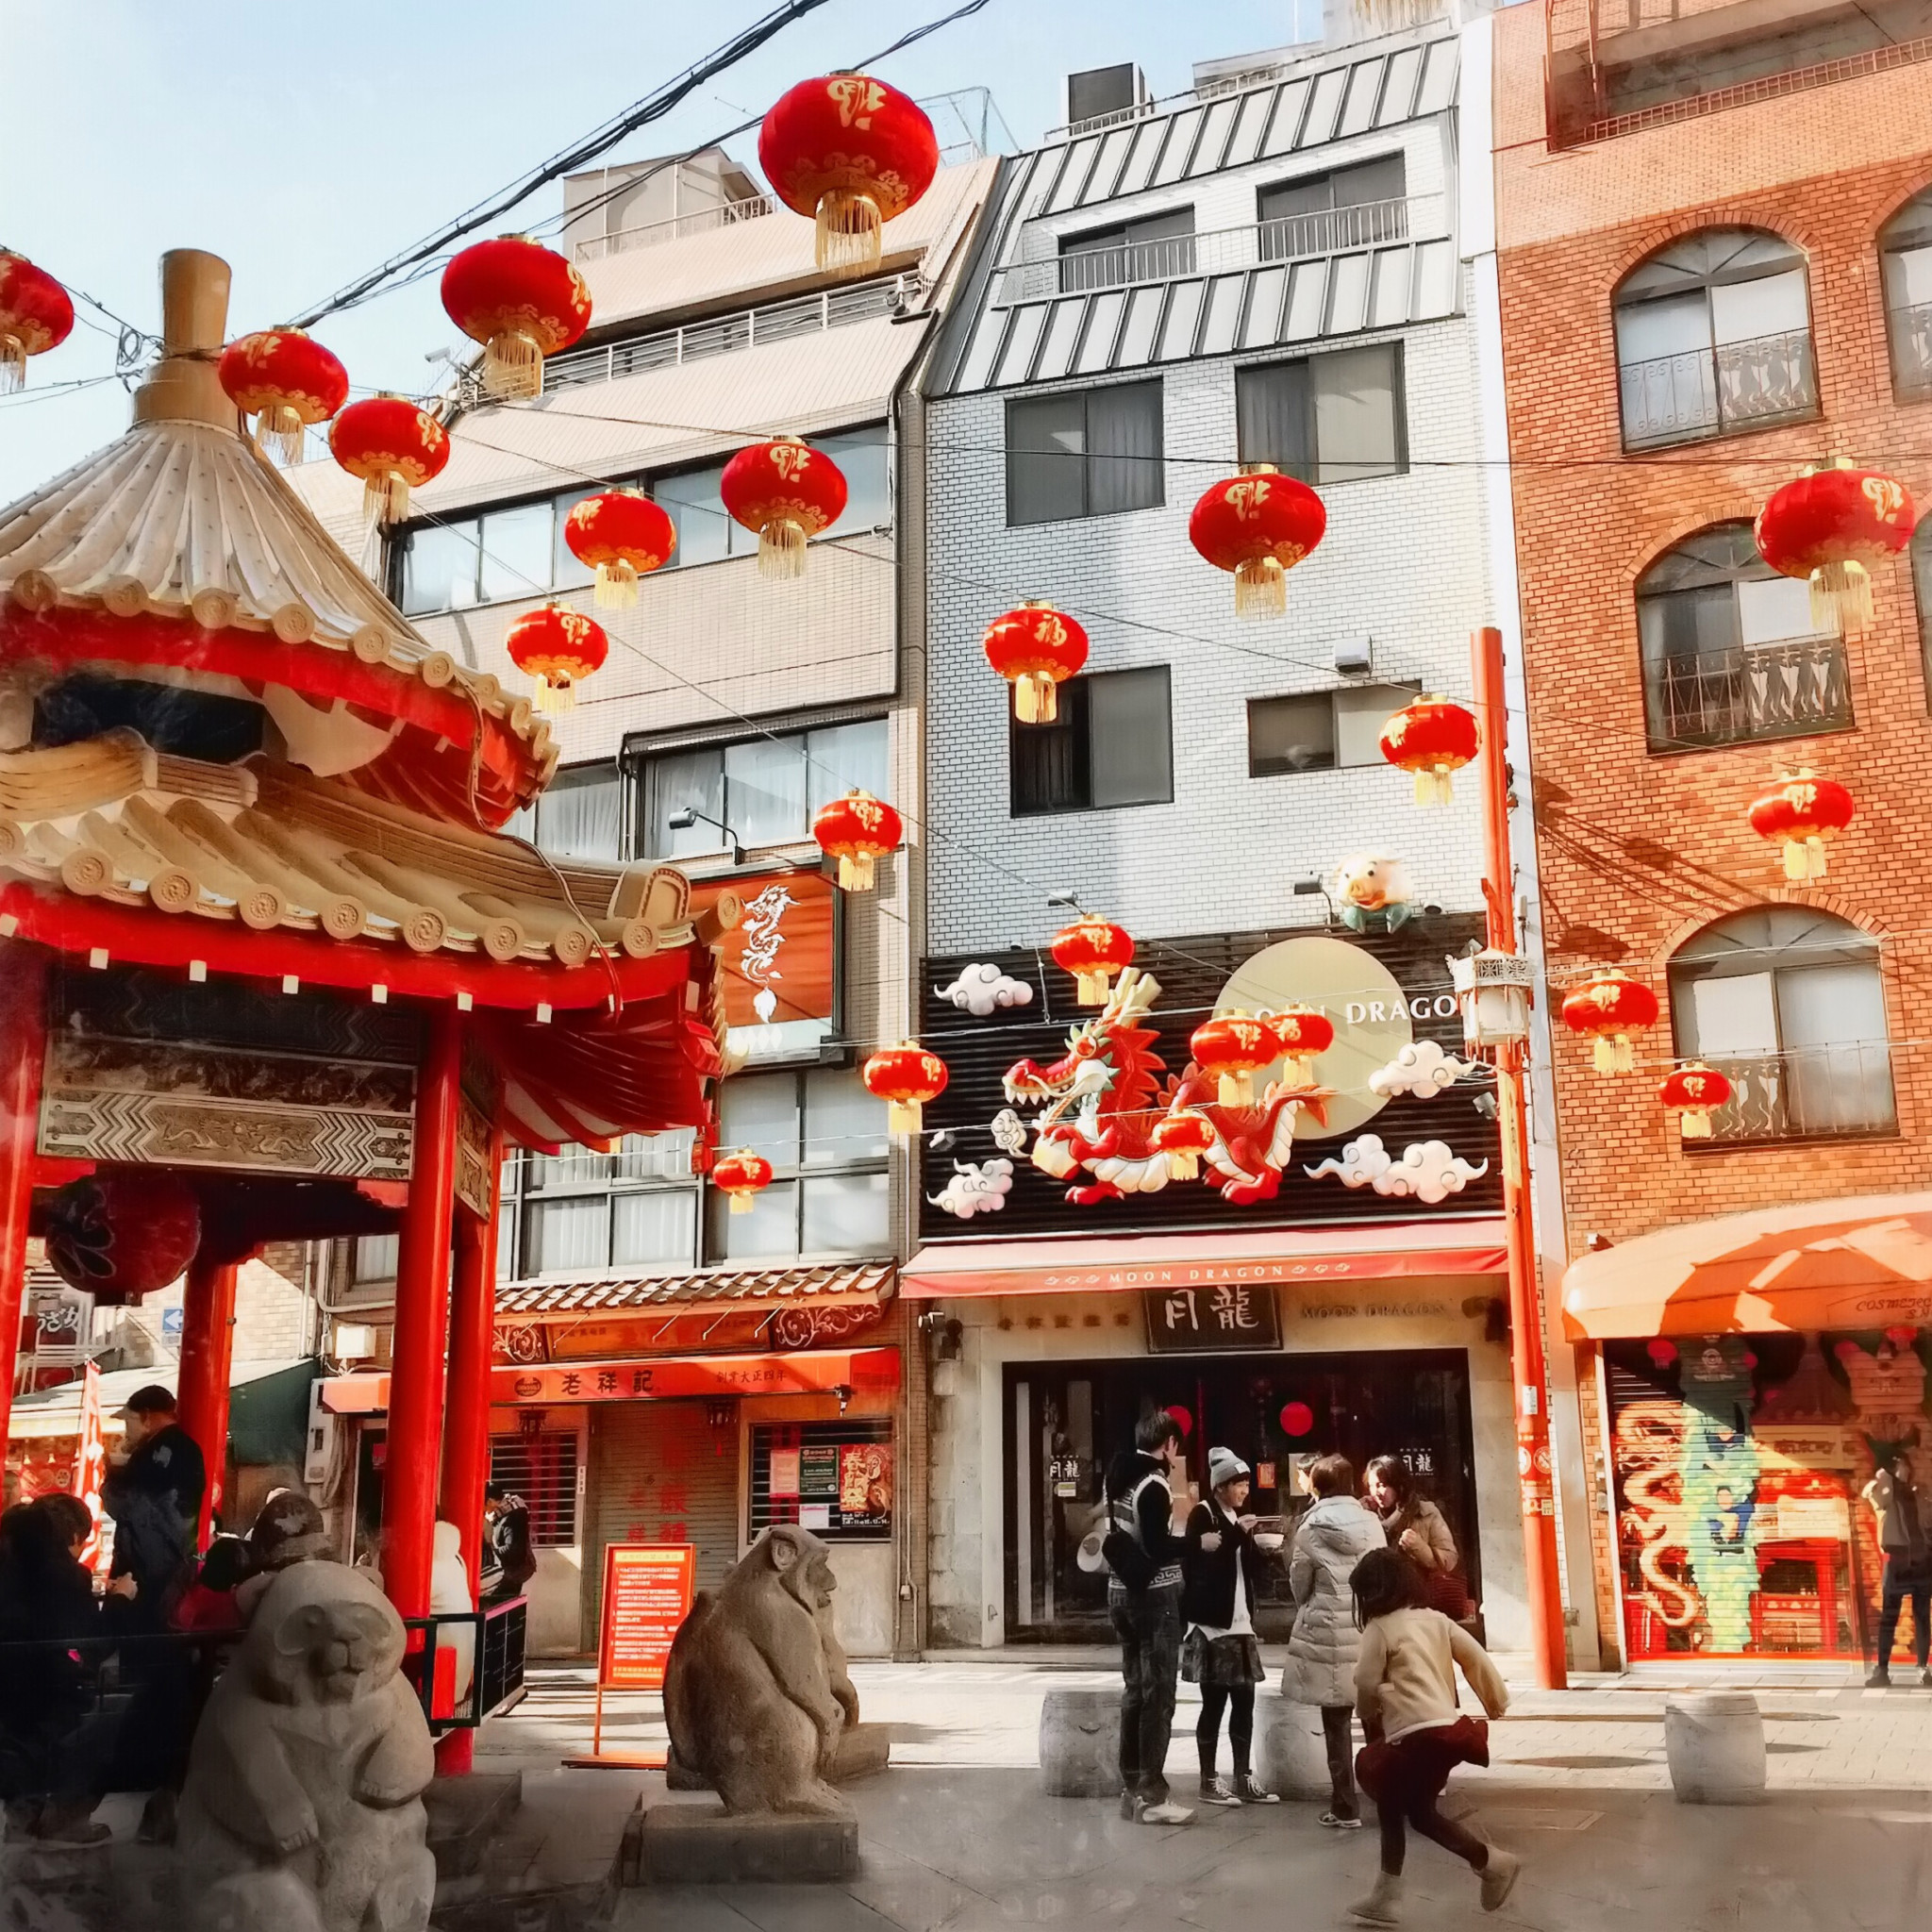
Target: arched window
[
  {"x": 1730, "y": 654},
  {"x": 1714, "y": 338},
  {"x": 1788, "y": 1002},
  {"x": 1904, "y": 254}
]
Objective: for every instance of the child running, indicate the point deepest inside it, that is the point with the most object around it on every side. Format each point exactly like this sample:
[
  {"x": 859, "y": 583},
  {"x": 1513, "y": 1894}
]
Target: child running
[{"x": 1405, "y": 1683}]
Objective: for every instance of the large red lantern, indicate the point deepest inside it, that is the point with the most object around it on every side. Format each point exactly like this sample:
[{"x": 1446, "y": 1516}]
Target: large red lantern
[
  {"x": 1694, "y": 1093},
  {"x": 1830, "y": 527},
  {"x": 623, "y": 536},
  {"x": 286, "y": 380},
  {"x": 394, "y": 446},
  {"x": 1092, "y": 950},
  {"x": 36, "y": 315},
  {"x": 742, "y": 1175},
  {"x": 1801, "y": 812},
  {"x": 857, "y": 830},
  {"x": 1431, "y": 737},
  {"x": 523, "y": 302},
  {"x": 1258, "y": 524},
  {"x": 788, "y": 493},
  {"x": 1184, "y": 1137},
  {"x": 1302, "y": 1032},
  {"x": 125, "y": 1233},
  {"x": 1610, "y": 1007},
  {"x": 906, "y": 1077},
  {"x": 1036, "y": 649},
  {"x": 852, "y": 153},
  {"x": 1230, "y": 1049},
  {"x": 559, "y": 647}
]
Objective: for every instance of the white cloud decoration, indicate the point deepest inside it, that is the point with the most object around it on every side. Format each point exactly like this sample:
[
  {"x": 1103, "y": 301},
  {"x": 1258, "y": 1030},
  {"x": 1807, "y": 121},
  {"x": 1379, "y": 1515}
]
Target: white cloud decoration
[
  {"x": 983, "y": 989},
  {"x": 1421, "y": 1068},
  {"x": 1430, "y": 1171},
  {"x": 977, "y": 1187},
  {"x": 1009, "y": 1131}
]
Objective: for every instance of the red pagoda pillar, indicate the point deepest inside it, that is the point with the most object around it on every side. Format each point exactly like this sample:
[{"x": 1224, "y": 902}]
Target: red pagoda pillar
[
  {"x": 22, "y": 1046},
  {"x": 415, "y": 1385},
  {"x": 207, "y": 1349}
]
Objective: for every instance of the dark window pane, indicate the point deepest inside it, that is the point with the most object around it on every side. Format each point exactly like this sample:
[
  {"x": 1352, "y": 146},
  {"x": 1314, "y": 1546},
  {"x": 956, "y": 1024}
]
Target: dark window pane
[
  {"x": 1288, "y": 735},
  {"x": 703, "y": 531},
  {"x": 1123, "y": 445},
  {"x": 1371, "y": 181},
  {"x": 1273, "y": 421},
  {"x": 1046, "y": 444},
  {"x": 1357, "y": 409},
  {"x": 1049, "y": 771},
  {"x": 1131, "y": 738},
  {"x": 674, "y": 781}
]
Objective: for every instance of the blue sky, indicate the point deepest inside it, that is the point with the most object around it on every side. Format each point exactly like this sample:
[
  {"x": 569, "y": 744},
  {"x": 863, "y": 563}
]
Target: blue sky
[{"x": 306, "y": 145}]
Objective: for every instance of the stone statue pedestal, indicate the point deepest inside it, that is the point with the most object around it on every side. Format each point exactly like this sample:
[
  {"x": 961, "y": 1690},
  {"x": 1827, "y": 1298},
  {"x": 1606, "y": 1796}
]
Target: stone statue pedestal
[
  {"x": 864, "y": 1750},
  {"x": 686, "y": 1843},
  {"x": 1290, "y": 1753},
  {"x": 1080, "y": 1743},
  {"x": 1714, "y": 1741}
]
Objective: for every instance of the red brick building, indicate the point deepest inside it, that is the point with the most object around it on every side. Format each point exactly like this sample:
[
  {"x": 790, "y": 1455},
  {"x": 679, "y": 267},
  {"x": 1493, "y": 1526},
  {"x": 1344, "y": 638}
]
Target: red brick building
[{"x": 1714, "y": 260}]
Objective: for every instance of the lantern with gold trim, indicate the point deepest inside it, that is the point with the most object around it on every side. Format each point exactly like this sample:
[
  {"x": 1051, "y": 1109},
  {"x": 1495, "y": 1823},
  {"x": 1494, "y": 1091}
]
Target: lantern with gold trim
[
  {"x": 36, "y": 315},
  {"x": 1694, "y": 1093},
  {"x": 623, "y": 536},
  {"x": 857, "y": 830},
  {"x": 1610, "y": 1007},
  {"x": 559, "y": 647},
  {"x": 1092, "y": 950},
  {"x": 1829, "y": 527},
  {"x": 1430, "y": 738},
  {"x": 286, "y": 380},
  {"x": 523, "y": 302},
  {"x": 1302, "y": 1032},
  {"x": 906, "y": 1077},
  {"x": 851, "y": 153},
  {"x": 1260, "y": 526},
  {"x": 1184, "y": 1136},
  {"x": 1230, "y": 1049},
  {"x": 743, "y": 1176},
  {"x": 788, "y": 493},
  {"x": 394, "y": 446},
  {"x": 1036, "y": 649},
  {"x": 1801, "y": 812}
]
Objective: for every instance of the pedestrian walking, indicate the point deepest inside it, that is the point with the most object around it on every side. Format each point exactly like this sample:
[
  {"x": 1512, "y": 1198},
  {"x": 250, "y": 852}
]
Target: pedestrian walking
[
  {"x": 1900, "y": 1506},
  {"x": 1418, "y": 1529},
  {"x": 1405, "y": 1682},
  {"x": 1144, "y": 1600},
  {"x": 1331, "y": 1538},
  {"x": 1220, "y": 1574}
]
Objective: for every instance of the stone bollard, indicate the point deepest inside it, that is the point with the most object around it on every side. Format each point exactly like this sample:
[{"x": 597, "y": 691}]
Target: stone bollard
[
  {"x": 1715, "y": 1744},
  {"x": 1290, "y": 1756},
  {"x": 1080, "y": 1743}
]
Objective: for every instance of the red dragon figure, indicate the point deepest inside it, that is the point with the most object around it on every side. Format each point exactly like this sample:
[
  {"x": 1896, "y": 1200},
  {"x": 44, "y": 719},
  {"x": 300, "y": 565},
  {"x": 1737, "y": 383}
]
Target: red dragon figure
[{"x": 1106, "y": 1103}]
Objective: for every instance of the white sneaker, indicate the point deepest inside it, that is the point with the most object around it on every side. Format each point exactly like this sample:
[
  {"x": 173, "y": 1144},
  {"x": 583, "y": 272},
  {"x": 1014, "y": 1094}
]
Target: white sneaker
[
  {"x": 1166, "y": 1812},
  {"x": 1383, "y": 1905},
  {"x": 1499, "y": 1877}
]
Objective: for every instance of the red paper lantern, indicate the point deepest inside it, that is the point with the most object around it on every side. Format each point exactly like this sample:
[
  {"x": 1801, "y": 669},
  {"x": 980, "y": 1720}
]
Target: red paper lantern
[
  {"x": 1431, "y": 737},
  {"x": 394, "y": 446},
  {"x": 906, "y": 1077},
  {"x": 286, "y": 380},
  {"x": 559, "y": 647},
  {"x": 523, "y": 302},
  {"x": 1258, "y": 524},
  {"x": 623, "y": 536},
  {"x": 1183, "y": 1418},
  {"x": 1092, "y": 950},
  {"x": 1661, "y": 1352},
  {"x": 1829, "y": 527},
  {"x": 852, "y": 153},
  {"x": 1297, "y": 1418},
  {"x": 857, "y": 830},
  {"x": 1610, "y": 1007},
  {"x": 1036, "y": 649},
  {"x": 1302, "y": 1033},
  {"x": 1694, "y": 1093},
  {"x": 123, "y": 1233},
  {"x": 1184, "y": 1137},
  {"x": 1801, "y": 813},
  {"x": 36, "y": 315},
  {"x": 1230, "y": 1049},
  {"x": 788, "y": 493},
  {"x": 742, "y": 1175}
]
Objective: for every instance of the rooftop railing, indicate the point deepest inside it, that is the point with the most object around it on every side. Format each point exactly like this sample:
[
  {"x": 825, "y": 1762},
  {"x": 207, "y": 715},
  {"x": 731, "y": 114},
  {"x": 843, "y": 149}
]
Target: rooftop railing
[{"x": 653, "y": 234}]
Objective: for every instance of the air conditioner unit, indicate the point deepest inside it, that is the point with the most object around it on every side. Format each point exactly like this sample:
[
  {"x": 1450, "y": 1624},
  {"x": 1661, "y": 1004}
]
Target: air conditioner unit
[
  {"x": 323, "y": 1448},
  {"x": 1355, "y": 656},
  {"x": 354, "y": 1341}
]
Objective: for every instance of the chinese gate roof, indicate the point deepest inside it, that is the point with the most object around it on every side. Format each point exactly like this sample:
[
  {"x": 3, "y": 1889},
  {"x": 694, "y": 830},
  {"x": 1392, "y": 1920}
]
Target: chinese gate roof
[{"x": 758, "y": 1290}]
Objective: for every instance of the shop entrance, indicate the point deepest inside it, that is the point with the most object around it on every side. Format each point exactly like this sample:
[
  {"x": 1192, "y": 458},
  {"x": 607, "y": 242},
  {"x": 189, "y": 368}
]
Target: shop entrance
[{"x": 1064, "y": 1422}]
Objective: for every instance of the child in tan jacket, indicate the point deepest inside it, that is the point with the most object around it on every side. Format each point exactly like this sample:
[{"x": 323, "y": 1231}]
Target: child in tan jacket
[{"x": 1405, "y": 1682}]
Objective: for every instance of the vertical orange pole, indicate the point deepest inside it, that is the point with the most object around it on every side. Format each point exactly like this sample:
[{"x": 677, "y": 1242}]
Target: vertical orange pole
[
  {"x": 23, "y": 1047},
  {"x": 1541, "y": 1568},
  {"x": 416, "y": 1389},
  {"x": 207, "y": 1346}
]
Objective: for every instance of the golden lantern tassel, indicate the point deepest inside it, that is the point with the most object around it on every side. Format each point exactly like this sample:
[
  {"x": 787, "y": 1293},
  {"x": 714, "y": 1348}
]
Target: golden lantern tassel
[
  {"x": 512, "y": 366},
  {"x": 12, "y": 364},
  {"x": 781, "y": 549},
  {"x": 1260, "y": 586},
  {"x": 279, "y": 432},
  {"x": 851, "y": 232},
  {"x": 617, "y": 584},
  {"x": 1027, "y": 699},
  {"x": 857, "y": 871},
  {"x": 1237, "y": 1090},
  {"x": 1184, "y": 1167},
  {"x": 1694, "y": 1124},
  {"x": 386, "y": 497},
  {"x": 1297, "y": 1070},
  {"x": 1814, "y": 859},
  {"x": 741, "y": 1204},
  {"x": 1047, "y": 698},
  {"x": 1841, "y": 598},
  {"x": 1433, "y": 787},
  {"x": 552, "y": 698},
  {"x": 902, "y": 1117},
  {"x": 1089, "y": 989}
]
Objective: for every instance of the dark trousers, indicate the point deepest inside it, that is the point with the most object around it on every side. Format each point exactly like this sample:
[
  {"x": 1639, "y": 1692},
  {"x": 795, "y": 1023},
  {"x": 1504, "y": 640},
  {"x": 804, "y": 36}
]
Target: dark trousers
[
  {"x": 1338, "y": 1734},
  {"x": 1238, "y": 1701},
  {"x": 1408, "y": 1791},
  {"x": 1422, "y": 1813},
  {"x": 1148, "y": 1623},
  {"x": 1915, "y": 1585}
]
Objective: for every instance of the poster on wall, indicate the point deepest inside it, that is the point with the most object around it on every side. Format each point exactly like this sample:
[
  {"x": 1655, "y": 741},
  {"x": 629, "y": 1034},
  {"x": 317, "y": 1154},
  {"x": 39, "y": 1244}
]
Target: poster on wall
[{"x": 648, "y": 1592}]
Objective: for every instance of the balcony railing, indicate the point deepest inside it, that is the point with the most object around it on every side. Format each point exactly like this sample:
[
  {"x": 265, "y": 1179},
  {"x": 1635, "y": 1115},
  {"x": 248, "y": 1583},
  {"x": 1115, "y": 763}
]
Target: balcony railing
[
  {"x": 1813, "y": 1093},
  {"x": 1753, "y": 692},
  {"x": 1720, "y": 391},
  {"x": 1911, "y": 349},
  {"x": 1225, "y": 251},
  {"x": 653, "y": 234}
]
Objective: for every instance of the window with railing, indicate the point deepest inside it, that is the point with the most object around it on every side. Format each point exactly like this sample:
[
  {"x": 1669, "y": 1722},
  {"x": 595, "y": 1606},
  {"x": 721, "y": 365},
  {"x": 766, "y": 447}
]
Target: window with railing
[
  {"x": 1730, "y": 652},
  {"x": 1789, "y": 1003},
  {"x": 1714, "y": 339},
  {"x": 1904, "y": 254},
  {"x": 1346, "y": 208},
  {"x": 1153, "y": 249}
]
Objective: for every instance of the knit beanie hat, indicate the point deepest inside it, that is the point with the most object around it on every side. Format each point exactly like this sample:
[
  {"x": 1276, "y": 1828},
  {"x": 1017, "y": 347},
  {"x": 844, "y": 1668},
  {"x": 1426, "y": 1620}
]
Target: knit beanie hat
[{"x": 1225, "y": 1466}]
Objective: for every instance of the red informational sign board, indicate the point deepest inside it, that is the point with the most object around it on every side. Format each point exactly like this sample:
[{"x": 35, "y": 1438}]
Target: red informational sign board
[{"x": 647, "y": 1591}]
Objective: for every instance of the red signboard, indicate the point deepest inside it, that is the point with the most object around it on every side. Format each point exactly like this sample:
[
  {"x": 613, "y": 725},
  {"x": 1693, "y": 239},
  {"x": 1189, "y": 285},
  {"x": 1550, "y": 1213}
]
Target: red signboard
[
  {"x": 648, "y": 1589},
  {"x": 778, "y": 966}
]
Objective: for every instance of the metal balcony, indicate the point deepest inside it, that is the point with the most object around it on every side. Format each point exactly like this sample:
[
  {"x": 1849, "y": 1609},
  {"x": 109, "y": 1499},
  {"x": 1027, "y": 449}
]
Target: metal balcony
[
  {"x": 1719, "y": 392},
  {"x": 1805, "y": 1093},
  {"x": 1750, "y": 693},
  {"x": 653, "y": 234}
]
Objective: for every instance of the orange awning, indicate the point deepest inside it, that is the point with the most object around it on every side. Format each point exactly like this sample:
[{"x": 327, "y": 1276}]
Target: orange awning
[
  {"x": 1130, "y": 1263},
  {"x": 1861, "y": 1262}
]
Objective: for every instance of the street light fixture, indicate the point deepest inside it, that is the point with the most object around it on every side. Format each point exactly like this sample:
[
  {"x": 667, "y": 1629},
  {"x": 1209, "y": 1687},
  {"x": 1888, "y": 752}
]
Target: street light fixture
[{"x": 686, "y": 816}]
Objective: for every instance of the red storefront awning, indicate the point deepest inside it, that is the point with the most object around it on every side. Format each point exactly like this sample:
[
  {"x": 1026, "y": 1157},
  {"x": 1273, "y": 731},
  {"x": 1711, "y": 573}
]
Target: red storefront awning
[
  {"x": 1130, "y": 1263},
  {"x": 808, "y": 1371}
]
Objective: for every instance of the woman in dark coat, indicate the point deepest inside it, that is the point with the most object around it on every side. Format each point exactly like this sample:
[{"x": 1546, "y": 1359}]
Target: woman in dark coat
[{"x": 1220, "y": 1575}]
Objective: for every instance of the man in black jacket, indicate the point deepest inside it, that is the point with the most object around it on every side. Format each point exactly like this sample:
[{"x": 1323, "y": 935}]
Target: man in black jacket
[
  {"x": 153, "y": 1490},
  {"x": 1147, "y": 1616}
]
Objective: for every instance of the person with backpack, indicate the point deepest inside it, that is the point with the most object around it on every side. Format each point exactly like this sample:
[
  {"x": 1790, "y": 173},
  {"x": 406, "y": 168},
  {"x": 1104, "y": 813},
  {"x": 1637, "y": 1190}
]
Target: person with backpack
[
  {"x": 1144, "y": 1601},
  {"x": 1907, "y": 1551}
]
